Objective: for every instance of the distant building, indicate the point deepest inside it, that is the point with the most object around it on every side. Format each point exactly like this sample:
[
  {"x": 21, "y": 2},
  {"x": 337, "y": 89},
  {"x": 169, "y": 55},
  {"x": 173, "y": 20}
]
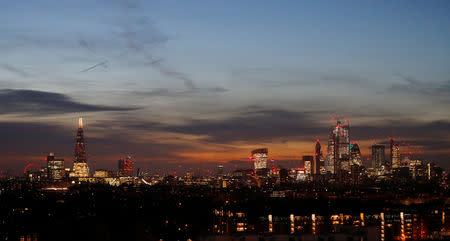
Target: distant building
[
  {"x": 308, "y": 164},
  {"x": 80, "y": 167},
  {"x": 219, "y": 170},
  {"x": 126, "y": 167},
  {"x": 355, "y": 155},
  {"x": 356, "y": 172},
  {"x": 260, "y": 159},
  {"x": 378, "y": 160},
  {"x": 318, "y": 166},
  {"x": 55, "y": 168}
]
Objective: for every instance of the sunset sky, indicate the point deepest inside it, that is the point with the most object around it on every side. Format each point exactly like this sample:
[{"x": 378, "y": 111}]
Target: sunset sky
[{"x": 195, "y": 82}]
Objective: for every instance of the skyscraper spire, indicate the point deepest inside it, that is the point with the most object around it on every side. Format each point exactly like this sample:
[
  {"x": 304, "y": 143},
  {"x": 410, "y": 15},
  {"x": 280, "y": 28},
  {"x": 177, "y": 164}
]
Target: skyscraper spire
[
  {"x": 80, "y": 167},
  {"x": 80, "y": 148}
]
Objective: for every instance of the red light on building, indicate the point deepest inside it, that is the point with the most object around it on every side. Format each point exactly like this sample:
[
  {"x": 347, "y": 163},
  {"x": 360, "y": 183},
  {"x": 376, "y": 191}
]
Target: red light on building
[{"x": 126, "y": 167}]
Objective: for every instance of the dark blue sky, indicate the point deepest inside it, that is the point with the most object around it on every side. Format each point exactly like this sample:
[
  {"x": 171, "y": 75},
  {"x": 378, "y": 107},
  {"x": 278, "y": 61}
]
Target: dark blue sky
[{"x": 185, "y": 77}]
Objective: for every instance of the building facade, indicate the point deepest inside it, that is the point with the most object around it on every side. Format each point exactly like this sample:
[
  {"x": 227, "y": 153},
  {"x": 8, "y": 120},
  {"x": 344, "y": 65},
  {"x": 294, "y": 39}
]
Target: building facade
[
  {"x": 308, "y": 164},
  {"x": 396, "y": 161},
  {"x": 378, "y": 160},
  {"x": 55, "y": 168},
  {"x": 260, "y": 159}
]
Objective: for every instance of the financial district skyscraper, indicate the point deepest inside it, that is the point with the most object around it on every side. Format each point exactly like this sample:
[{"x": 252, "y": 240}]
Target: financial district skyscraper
[
  {"x": 338, "y": 152},
  {"x": 126, "y": 167},
  {"x": 319, "y": 167},
  {"x": 355, "y": 155},
  {"x": 260, "y": 160},
  {"x": 395, "y": 155},
  {"x": 378, "y": 160}
]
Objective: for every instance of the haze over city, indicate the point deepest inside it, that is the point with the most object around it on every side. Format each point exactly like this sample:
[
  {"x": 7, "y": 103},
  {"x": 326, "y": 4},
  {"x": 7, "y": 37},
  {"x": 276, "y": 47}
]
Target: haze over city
[{"x": 200, "y": 82}]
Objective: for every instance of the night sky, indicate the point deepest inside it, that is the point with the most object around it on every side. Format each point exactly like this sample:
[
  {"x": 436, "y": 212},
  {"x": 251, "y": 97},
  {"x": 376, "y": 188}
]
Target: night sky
[{"x": 203, "y": 82}]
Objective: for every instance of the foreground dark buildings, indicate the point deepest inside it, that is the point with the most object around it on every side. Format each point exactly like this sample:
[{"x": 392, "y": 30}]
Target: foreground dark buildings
[{"x": 175, "y": 210}]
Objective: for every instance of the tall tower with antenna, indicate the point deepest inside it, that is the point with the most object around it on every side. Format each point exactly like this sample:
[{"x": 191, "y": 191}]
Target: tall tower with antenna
[
  {"x": 80, "y": 168},
  {"x": 80, "y": 147}
]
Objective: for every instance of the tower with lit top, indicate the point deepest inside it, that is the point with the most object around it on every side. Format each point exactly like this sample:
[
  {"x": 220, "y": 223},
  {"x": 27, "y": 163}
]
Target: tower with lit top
[
  {"x": 80, "y": 147},
  {"x": 80, "y": 168}
]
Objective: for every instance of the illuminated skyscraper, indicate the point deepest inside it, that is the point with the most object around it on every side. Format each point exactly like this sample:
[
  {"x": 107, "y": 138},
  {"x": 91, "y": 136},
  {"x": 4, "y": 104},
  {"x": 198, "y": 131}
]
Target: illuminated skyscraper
[
  {"x": 396, "y": 160},
  {"x": 260, "y": 158},
  {"x": 126, "y": 167},
  {"x": 378, "y": 160},
  {"x": 355, "y": 155},
  {"x": 338, "y": 153},
  {"x": 80, "y": 168},
  {"x": 55, "y": 168}
]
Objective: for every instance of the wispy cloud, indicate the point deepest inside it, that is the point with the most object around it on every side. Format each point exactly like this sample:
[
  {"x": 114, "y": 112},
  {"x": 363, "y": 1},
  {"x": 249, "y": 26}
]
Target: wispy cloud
[
  {"x": 103, "y": 64},
  {"x": 23, "y": 101},
  {"x": 414, "y": 86},
  {"x": 15, "y": 70},
  {"x": 141, "y": 36},
  {"x": 164, "y": 92}
]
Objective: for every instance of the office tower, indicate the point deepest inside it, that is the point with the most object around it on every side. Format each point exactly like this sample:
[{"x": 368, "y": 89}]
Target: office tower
[
  {"x": 308, "y": 164},
  {"x": 378, "y": 156},
  {"x": 355, "y": 155},
  {"x": 329, "y": 161},
  {"x": 55, "y": 168},
  {"x": 80, "y": 168},
  {"x": 338, "y": 153},
  {"x": 396, "y": 161},
  {"x": 260, "y": 158},
  {"x": 318, "y": 159},
  {"x": 126, "y": 167}
]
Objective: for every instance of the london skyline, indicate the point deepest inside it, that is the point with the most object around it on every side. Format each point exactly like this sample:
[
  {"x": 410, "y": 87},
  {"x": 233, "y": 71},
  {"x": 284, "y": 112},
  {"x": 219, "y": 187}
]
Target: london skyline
[{"x": 156, "y": 80}]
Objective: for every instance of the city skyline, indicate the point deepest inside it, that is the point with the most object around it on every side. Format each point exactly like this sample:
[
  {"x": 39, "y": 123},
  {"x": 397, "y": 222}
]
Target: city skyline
[
  {"x": 156, "y": 80},
  {"x": 405, "y": 150}
]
